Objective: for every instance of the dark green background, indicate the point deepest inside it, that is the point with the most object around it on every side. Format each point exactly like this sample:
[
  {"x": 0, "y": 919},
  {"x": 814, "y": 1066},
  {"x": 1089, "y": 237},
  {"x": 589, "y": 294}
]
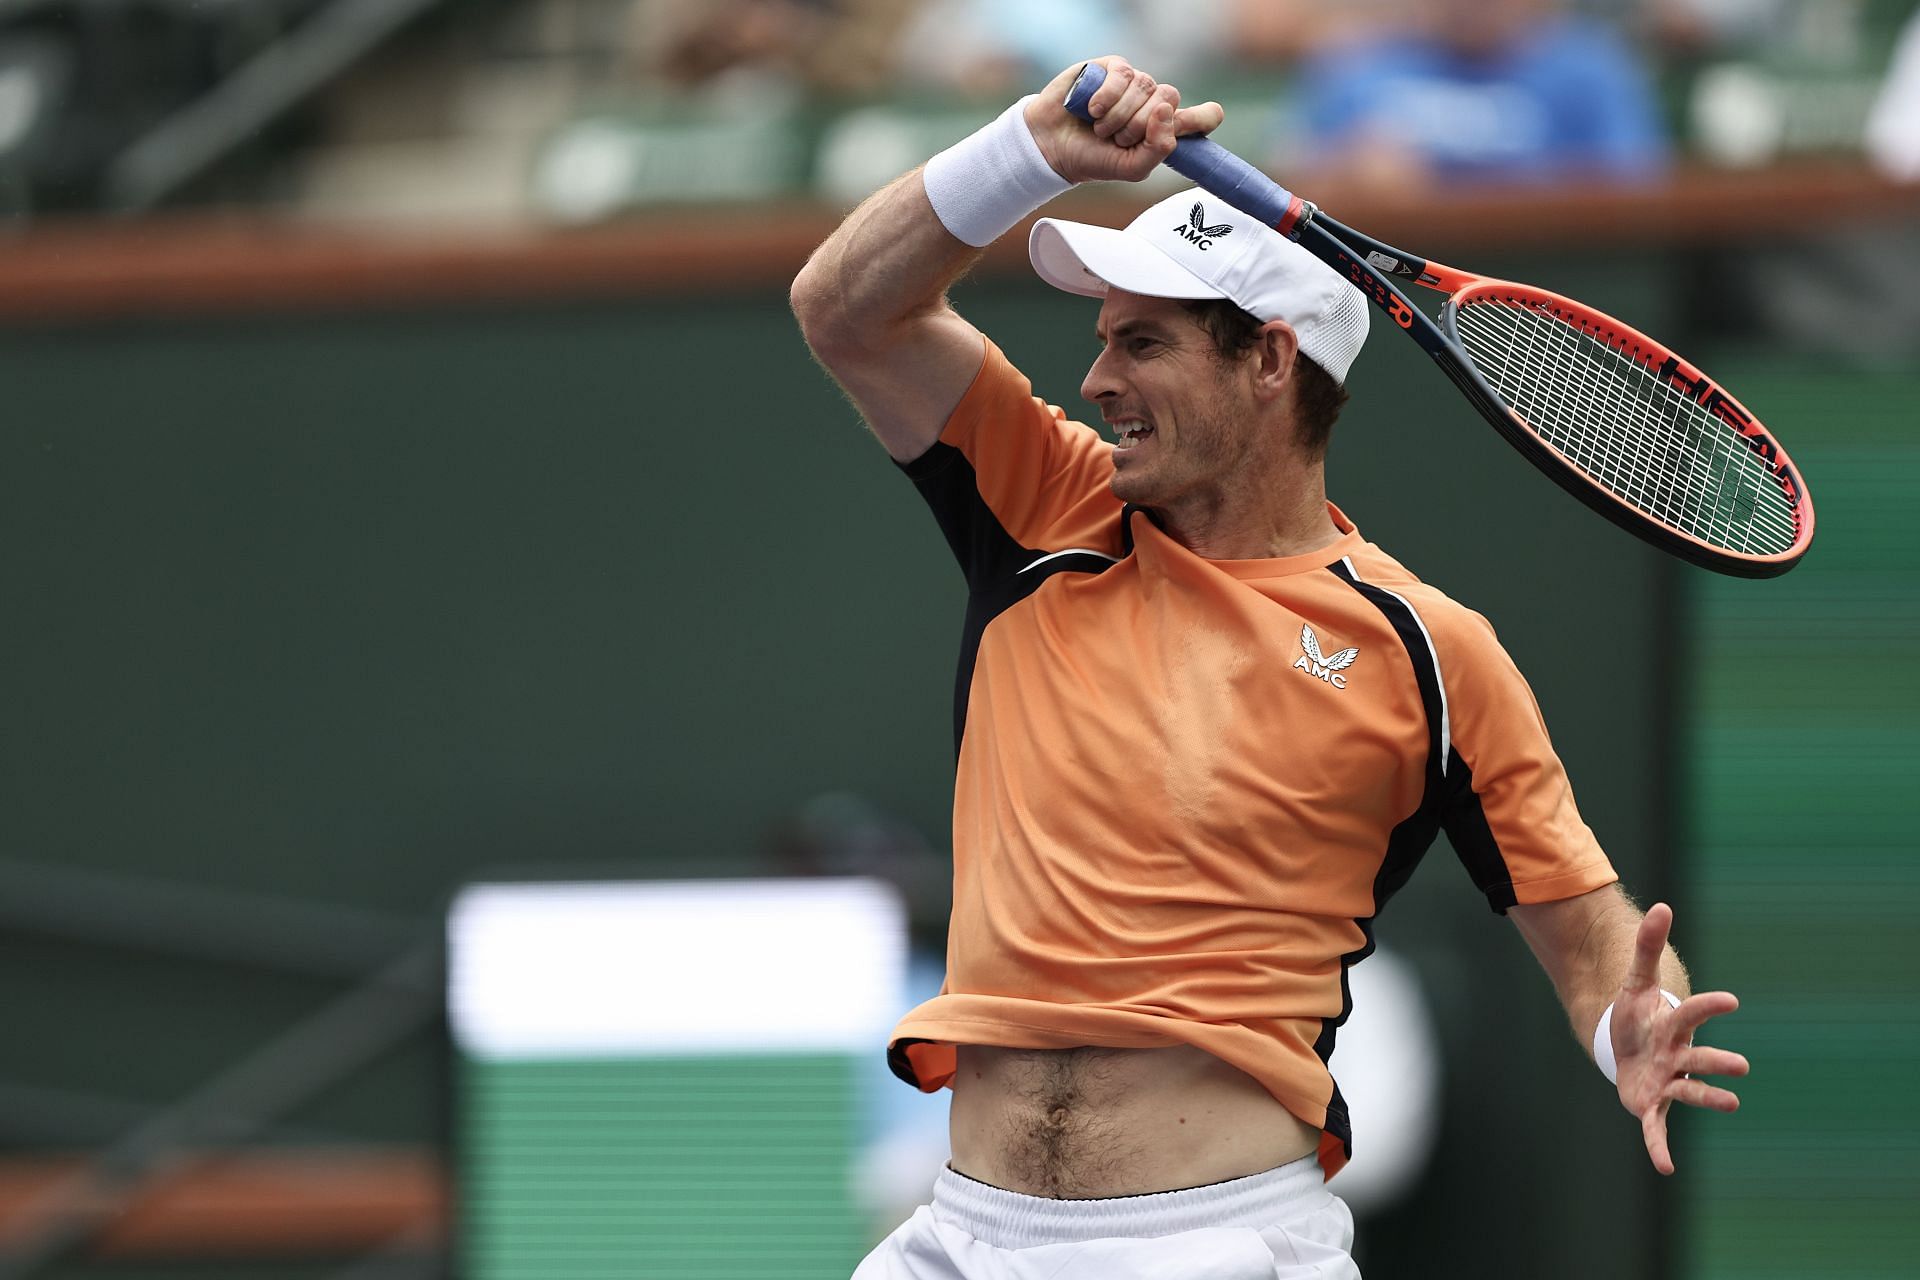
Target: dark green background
[
  {"x": 1803, "y": 737},
  {"x": 350, "y": 608}
]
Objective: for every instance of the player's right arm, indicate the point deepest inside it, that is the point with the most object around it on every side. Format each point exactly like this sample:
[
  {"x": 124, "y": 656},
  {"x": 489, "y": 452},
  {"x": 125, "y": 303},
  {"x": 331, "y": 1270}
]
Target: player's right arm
[
  {"x": 872, "y": 299},
  {"x": 872, "y": 304}
]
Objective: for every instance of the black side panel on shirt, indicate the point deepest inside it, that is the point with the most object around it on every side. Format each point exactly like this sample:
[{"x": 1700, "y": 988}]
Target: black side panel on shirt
[
  {"x": 1472, "y": 838},
  {"x": 1451, "y": 795},
  {"x": 900, "y": 1064},
  {"x": 1000, "y": 572},
  {"x": 947, "y": 481},
  {"x": 1414, "y": 637},
  {"x": 1410, "y": 840}
]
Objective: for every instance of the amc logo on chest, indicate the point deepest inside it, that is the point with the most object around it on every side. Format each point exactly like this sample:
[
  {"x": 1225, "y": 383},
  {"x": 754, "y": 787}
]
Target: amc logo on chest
[{"x": 1322, "y": 666}]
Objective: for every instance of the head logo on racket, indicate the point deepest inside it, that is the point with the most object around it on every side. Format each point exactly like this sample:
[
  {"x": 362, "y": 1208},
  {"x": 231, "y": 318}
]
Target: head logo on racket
[{"x": 1323, "y": 666}]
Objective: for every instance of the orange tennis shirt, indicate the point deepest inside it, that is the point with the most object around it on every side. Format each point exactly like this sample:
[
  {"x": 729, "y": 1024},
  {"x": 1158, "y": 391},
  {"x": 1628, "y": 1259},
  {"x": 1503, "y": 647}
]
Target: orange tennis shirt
[{"x": 1186, "y": 787}]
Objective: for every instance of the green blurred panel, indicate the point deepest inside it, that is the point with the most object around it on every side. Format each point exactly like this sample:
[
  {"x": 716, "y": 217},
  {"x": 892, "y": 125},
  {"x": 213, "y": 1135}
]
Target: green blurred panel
[
  {"x": 1816, "y": 1237},
  {"x": 1773, "y": 782},
  {"x": 1799, "y": 1037},
  {"x": 1788, "y": 939},
  {"x": 343, "y": 606},
  {"x": 1806, "y": 879},
  {"x": 709, "y": 1168},
  {"x": 601, "y": 164}
]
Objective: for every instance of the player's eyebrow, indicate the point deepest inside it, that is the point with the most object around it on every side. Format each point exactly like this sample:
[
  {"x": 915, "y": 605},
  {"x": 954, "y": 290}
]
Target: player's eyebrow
[{"x": 1128, "y": 329}]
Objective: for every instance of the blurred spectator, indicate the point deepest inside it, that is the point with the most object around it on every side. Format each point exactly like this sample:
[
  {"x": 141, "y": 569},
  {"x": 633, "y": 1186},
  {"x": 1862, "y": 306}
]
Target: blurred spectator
[
  {"x": 991, "y": 48},
  {"x": 1490, "y": 90},
  {"x": 1893, "y": 130},
  {"x": 717, "y": 38},
  {"x": 1696, "y": 26},
  {"x": 826, "y": 46},
  {"x": 1286, "y": 31}
]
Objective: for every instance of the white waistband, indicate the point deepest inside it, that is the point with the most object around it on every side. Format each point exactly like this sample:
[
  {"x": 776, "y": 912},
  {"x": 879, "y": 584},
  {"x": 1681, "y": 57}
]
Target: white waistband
[{"x": 1010, "y": 1220}]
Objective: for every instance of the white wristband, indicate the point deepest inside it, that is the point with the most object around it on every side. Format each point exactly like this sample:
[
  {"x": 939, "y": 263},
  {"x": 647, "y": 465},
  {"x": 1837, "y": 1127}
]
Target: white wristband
[
  {"x": 984, "y": 184},
  {"x": 1603, "y": 1040}
]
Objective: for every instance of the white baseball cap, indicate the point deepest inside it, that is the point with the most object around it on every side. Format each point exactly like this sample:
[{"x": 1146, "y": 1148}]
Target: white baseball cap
[{"x": 1191, "y": 245}]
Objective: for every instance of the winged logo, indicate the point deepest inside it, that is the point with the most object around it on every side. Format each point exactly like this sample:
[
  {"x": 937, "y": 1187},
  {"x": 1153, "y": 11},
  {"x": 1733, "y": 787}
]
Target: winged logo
[
  {"x": 1200, "y": 228},
  {"x": 1336, "y": 662}
]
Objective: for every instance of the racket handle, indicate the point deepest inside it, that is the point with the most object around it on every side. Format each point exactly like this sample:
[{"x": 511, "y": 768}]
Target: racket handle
[{"x": 1208, "y": 164}]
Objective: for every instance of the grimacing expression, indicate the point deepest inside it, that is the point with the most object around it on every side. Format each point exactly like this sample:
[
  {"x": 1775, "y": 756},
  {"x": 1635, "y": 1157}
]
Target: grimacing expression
[{"x": 1179, "y": 414}]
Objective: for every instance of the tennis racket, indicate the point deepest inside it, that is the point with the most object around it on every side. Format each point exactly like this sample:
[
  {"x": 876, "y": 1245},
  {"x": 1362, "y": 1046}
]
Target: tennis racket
[{"x": 1618, "y": 420}]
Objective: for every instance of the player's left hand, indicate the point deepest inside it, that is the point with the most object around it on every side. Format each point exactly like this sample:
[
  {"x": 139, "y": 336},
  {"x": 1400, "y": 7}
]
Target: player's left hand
[{"x": 1653, "y": 1049}]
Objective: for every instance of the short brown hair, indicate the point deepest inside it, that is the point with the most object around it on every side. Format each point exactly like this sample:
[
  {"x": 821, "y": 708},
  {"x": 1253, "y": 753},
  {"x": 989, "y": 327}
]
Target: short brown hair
[{"x": 1233, "y": 332}]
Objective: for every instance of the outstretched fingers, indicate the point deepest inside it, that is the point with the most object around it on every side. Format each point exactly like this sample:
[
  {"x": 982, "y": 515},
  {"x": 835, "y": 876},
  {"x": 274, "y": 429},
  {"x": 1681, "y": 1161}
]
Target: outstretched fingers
[
  {"x": 1659, "y": 1063},
  {"x": 1702, "y": 1061},
  {"x": 1698, "y": 1093},
  {"x": 1653, "y": 1120},
  {"x": 1649, "y": 945},
  {"x": 1692, "y": 1013},
  {"x": 1653, "y": 1129}
]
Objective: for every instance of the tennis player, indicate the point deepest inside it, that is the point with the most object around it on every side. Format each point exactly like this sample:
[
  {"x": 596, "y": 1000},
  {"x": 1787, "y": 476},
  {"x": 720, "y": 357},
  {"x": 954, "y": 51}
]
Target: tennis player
[{"x": 1205, "y": 730}]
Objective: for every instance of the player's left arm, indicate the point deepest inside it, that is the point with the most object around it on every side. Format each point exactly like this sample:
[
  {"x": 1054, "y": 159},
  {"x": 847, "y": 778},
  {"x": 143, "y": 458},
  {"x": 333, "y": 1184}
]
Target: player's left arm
[{"x": 1600, "y": 950}]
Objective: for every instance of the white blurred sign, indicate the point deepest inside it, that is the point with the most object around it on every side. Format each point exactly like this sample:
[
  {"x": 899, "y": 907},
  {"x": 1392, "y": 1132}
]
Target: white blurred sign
[{"x": 635, "y": 969}]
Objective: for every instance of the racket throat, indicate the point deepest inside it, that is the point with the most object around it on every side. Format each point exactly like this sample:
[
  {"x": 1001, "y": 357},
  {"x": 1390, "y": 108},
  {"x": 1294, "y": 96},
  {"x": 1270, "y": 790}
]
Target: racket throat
[{"x": 1300, "y": 213}]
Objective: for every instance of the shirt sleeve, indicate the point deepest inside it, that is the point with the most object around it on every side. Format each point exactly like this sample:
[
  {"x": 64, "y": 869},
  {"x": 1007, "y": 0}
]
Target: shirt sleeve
[
  {"x": 1012, "y": 478},
  {"x": 1508, "y": 808}
]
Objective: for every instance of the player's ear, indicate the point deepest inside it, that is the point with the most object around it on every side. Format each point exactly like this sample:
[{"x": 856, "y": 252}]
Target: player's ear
[{"x": 1273, "y": 353}]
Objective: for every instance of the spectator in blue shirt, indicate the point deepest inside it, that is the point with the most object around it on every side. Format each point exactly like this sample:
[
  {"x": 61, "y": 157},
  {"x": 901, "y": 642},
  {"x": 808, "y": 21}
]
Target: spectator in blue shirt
[{"x": 1482, "y": 90}]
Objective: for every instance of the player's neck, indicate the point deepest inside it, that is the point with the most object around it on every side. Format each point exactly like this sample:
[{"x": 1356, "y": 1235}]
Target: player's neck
[{"x": 1256, "y": 521}]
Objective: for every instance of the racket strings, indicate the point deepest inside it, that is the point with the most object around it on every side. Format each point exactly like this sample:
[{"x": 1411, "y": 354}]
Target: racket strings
[
  {"x": 1632, "y": 433},
  {"x": 1628, "y": 430},
  {"x": 1613, "y": 452}
]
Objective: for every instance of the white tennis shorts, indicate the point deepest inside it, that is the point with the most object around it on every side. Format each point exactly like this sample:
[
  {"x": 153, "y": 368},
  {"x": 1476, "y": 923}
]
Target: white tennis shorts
[{"x": 1279, "y": 1225}]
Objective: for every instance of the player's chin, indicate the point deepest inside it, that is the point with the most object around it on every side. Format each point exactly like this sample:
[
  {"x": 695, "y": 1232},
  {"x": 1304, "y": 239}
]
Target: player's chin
[
  {"x": 1132, "y": 475},
  {"x": 1129, "y": 484}
]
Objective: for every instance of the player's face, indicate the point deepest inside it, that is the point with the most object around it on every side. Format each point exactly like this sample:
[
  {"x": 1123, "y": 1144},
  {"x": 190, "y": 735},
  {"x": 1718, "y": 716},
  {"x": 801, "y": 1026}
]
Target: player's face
[{"x": 1180, "y": 416}]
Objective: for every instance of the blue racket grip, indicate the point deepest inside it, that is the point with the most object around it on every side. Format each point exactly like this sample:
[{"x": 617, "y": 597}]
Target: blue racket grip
[{"x": 1208, "y": 164}]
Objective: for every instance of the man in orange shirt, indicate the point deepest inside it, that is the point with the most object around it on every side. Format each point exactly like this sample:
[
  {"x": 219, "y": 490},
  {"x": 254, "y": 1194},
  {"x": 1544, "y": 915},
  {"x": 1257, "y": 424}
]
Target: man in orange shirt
[{"x": 1205, "y": 729}]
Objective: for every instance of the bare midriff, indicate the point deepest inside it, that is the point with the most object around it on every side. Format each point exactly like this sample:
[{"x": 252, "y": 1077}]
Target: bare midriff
[{"x": 1089, "y": 1123}]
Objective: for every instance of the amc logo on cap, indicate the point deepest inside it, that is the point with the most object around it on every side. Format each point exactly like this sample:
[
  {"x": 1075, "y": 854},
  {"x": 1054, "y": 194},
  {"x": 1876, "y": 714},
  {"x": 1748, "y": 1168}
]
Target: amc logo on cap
[{"x": 1195, "y": 230}]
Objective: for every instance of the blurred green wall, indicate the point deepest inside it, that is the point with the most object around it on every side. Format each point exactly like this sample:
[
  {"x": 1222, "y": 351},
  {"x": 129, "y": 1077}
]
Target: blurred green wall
[
  {"x": 1804, "y": 736},
  {"x": 352, "y": 607}
]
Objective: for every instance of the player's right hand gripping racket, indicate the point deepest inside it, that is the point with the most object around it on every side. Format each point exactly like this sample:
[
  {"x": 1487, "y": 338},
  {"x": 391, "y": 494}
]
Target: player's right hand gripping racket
[{"x": 1615, "y": 418}]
